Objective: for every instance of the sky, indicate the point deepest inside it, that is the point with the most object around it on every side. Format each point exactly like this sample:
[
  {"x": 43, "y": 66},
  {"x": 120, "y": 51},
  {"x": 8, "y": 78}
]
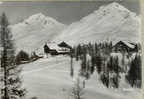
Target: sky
[{"x": 65, "y": 12}]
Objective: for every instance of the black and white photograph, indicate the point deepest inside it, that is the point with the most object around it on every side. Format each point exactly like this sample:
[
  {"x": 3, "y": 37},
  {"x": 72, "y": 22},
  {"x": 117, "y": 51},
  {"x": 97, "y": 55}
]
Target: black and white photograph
[{"x": 70, "y": 49}]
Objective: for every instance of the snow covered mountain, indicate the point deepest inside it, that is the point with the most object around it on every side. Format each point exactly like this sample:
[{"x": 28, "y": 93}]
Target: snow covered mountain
[
  {"x": 35, "y": 31},
  {"x": 111, "y": 22}
]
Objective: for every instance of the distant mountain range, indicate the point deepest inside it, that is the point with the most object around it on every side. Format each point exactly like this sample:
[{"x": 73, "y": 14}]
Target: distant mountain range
[{"x": 111, "y": 22}]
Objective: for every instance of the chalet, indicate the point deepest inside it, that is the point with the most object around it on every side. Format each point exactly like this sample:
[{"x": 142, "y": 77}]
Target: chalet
[
  {"x": 52, "y": 49},
  {"x": 64, "y": 45},
  {"x": 64, "y": 48},
  {"x": 124, "y": 46},
  {"x": 55, "y": 49}
]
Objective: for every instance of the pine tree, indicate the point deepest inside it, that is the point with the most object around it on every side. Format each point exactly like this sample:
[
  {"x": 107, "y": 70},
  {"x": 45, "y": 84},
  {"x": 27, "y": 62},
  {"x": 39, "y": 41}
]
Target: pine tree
[
  {"x": 11, "y": 78},
  {"x": 71, "y": 64},
  {"x": 96, "y": 48},
  {"x": 98, "y": 62},
  {"x": 134, "y": 74},
  {"x": 113, "y": 67},
  {"x": 78, "y": 52},
  {"x": 83, "y": 65},
  {"x": 93, "y": 64},
  {"x": 116, "y": 69}
]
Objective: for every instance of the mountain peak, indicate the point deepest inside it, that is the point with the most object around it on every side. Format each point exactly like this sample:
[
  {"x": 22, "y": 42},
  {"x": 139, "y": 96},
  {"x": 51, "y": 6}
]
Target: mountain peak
[
  {"x": 112, "y": 21},
  {"x": 115, "y": 6},
  {"x": 34, "y": 31},
  {"x": 39, "y": 14},
  {"x": 36, "y": 17},
  {"x": 113, "y": 10},
  {"x": 40, "y": 18}
]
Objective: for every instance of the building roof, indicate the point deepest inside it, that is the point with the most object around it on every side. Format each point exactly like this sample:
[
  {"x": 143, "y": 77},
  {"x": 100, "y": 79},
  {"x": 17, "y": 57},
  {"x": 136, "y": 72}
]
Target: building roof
[
  {"x": 53, "y": 46},
  {"x": 57, "y": 48},
  {"x": 63, "y": 44},
  {"x": 130, "y": 45}
]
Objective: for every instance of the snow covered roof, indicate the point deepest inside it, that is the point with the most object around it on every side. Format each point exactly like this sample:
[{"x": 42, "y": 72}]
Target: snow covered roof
[
  {"x": 64, "y": 44},
  {"x": 129, "y": 44},
  {"x": 56, "y": 47},
  {"x": 126, "y": 43},
  {"x": 53, "y": 46}
]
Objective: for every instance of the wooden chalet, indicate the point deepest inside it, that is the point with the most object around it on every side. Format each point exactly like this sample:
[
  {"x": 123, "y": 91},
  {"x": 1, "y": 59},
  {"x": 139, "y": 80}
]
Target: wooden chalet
[
  {"x": 64, "y": 45},
  {"x": 124, "y": 46},
  {"x": 64, "y": 48},
  {"x": 55, "y": 49}
]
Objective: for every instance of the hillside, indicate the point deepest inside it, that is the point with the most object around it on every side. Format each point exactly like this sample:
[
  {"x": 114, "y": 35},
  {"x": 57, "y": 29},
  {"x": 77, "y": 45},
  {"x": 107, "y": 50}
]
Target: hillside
[{"x": 52, "y": 76}]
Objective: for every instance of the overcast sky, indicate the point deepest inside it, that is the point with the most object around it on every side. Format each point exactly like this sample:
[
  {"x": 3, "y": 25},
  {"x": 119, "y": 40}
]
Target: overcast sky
[{"x": 64, "y": 12}]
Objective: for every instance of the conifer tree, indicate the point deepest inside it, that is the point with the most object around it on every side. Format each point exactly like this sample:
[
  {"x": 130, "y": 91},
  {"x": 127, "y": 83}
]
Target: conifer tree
[
  {"x": 78, "y": 52},
  {"x": 98, "y": 62},
  {"x": 71, "y": 64},
  {"x": 11, "y": 79},
  {"x": 134, "y": 74},
  {"x": 113, "y": 67}
]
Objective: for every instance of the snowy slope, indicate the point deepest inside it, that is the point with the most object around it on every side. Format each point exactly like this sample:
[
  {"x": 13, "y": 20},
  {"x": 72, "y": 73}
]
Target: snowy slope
[
  {"x": 49, "y": 78},
  {"x": 35, "y": 31},
  {"x": 110, "y": 22}
]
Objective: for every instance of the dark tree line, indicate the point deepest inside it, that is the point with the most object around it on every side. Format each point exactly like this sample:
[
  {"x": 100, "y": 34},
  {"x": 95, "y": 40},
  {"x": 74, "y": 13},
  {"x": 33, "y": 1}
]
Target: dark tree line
[
  {"x": 134, "y": 76},
  {"x": 107, "y": 66}
]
